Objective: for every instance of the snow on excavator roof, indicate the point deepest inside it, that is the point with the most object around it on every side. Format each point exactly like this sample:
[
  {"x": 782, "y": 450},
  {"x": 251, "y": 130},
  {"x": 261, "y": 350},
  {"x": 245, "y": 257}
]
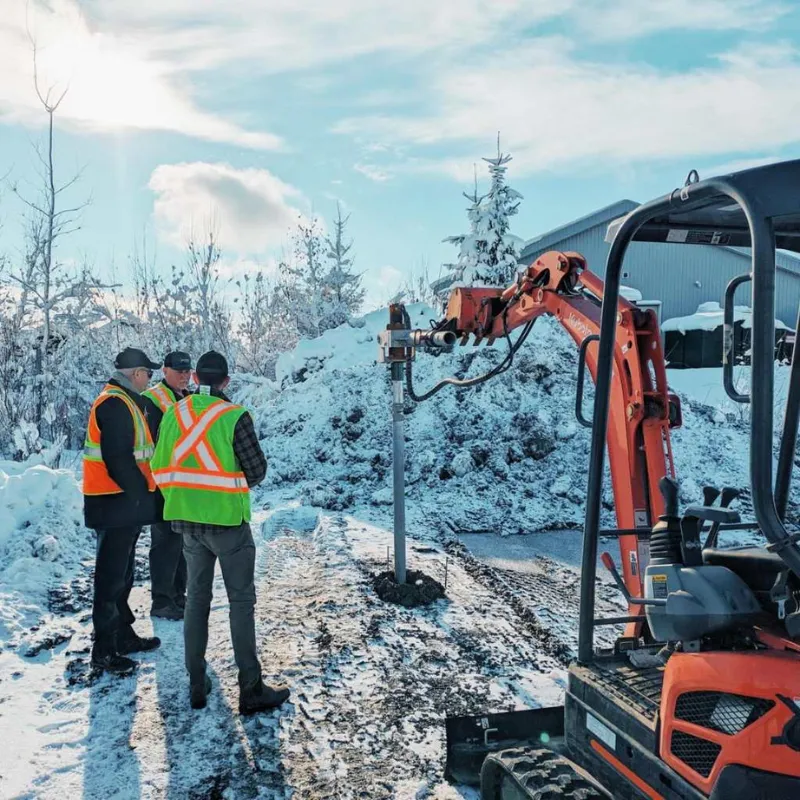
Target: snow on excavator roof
[{"x": 718, "y": 220}]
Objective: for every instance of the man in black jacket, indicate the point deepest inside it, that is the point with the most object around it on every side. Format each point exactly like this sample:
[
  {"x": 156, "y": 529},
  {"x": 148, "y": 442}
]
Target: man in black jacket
[
  {"x": 119, "y": 498},
  {"x": 167, "y": 562}
]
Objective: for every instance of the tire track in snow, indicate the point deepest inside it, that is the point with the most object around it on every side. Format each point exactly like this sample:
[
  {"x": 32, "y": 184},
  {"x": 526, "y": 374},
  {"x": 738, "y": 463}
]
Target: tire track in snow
[{"x": 372, "y": 682}]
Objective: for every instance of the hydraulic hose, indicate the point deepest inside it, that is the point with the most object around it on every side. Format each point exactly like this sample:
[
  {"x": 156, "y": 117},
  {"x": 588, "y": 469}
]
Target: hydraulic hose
[{"x": 503, "y": 366}]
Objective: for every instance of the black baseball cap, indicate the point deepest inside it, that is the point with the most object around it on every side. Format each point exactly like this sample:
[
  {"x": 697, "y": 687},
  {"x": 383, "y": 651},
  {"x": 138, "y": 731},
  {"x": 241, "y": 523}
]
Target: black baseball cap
[
  {"x": 131, "y": 358},
  {"x": 211, "y": 368},
  {"x": 178, "y": 360}
]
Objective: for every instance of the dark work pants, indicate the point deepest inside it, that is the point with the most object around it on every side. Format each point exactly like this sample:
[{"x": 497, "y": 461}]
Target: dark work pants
[
  {"x": 113, "y": 581},
  {"x": 236, "y": 552},
  {"x": 167, "y": 566}
]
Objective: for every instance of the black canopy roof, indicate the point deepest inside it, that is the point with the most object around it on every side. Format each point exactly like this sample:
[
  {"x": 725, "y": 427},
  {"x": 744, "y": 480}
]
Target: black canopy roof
[{"x": 702, "y": 213}]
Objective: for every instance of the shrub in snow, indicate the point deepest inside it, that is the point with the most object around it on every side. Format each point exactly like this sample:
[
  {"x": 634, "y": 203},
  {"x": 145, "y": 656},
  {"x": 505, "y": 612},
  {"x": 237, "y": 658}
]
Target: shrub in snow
[{"x": 461, "y": 464}]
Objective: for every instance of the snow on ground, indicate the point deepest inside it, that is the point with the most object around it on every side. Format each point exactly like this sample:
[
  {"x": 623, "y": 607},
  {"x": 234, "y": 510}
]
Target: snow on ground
[
  {"x": 372, "y": 683},
  {"x": 43, "y": 544}
]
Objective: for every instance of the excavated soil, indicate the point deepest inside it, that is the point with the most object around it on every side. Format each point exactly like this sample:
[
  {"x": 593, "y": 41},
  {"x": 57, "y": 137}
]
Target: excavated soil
[{"x": 418, "y": 590}]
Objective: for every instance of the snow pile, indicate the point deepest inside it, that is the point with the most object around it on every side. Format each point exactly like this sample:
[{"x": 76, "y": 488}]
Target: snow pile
[
  {"x": 42, "y": 539},
  {"x": 710, "y": 316},
  {"x": 505, "y": 456}
]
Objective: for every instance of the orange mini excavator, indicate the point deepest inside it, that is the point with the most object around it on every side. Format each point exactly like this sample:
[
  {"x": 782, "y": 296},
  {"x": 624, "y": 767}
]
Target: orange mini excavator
[{"x": 700, "y": 696}]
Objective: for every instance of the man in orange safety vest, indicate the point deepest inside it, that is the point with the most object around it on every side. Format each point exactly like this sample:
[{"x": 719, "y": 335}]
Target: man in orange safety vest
[{"x": 120, "y": 497}]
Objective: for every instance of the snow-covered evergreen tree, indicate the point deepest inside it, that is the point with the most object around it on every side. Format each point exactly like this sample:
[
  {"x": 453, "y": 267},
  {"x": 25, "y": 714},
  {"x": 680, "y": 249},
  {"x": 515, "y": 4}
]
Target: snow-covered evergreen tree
[
  {"x": 317, "y": 288},
  {"x": 343, "y": 293},
  {"x": 469, "y": 249},
  {"x": 489, "y": 253}
]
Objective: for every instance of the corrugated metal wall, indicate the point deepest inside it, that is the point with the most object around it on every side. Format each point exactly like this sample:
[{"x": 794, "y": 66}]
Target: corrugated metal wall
[{"x": 681, "y": 276}]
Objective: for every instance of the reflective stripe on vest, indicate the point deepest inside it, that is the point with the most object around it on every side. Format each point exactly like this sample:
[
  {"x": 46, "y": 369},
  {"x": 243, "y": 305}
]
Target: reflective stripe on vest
[
  {"x": 195, "y": 465},
  {"x": 160, "y": 396},
  {"x": 96, "y": 479}
]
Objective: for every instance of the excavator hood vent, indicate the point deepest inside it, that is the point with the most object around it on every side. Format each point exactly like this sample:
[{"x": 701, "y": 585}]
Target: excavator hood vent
[{"x": 719, "y": 711}]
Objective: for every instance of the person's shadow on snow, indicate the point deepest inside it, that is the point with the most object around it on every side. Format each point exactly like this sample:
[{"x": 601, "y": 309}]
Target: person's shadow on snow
[
  {"x": 111, "y": 764},
  {"x": 209, "y": 750}
]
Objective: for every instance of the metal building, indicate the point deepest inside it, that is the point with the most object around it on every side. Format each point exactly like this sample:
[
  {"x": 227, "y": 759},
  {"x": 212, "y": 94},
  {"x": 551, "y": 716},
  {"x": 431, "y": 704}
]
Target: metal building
[{"x": 680, "y": 276}]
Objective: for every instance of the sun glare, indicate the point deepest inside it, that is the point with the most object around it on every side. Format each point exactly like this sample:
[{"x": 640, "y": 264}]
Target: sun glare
[{"x": 108, "y": 85}]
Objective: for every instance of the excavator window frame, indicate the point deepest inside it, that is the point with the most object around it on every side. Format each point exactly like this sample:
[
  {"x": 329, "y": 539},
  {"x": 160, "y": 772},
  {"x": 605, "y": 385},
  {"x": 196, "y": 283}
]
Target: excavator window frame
[{"x": 757, "y": 208}]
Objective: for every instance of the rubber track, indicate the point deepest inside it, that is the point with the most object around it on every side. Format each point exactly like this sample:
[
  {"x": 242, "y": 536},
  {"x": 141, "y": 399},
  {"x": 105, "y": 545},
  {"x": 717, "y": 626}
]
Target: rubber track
[{"x": 536, "y": 775}]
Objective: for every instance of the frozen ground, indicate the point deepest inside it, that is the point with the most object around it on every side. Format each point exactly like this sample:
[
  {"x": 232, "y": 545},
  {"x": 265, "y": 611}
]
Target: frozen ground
[{"x": 371, "y": 682}]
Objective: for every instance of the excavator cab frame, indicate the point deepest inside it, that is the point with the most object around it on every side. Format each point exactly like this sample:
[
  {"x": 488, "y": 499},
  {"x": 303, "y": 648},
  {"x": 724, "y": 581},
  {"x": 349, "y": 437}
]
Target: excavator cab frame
[
  {"x": 757, "y": 209},
  {"x": 711, "y": 708}
]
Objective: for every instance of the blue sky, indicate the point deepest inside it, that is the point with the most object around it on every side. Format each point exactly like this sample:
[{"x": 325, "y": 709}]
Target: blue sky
[{"x": 251, "y": 112}]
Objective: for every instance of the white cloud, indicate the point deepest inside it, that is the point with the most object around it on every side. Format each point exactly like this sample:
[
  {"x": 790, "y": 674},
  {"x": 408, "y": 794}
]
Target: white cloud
[
  {"x": 630, "y": 19},
  {"x": 250, "y": 209},
  {"x": 282, "y": 35},
  {"x": 113, "y": 82},
  {"x": 556, "y": 109},
  {"x": 131, "y": 65},
  {"x": 372, "y": 172}
]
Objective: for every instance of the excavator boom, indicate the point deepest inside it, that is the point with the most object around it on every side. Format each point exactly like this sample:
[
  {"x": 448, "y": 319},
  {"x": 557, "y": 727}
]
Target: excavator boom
[{"x": 639, "y": 451}]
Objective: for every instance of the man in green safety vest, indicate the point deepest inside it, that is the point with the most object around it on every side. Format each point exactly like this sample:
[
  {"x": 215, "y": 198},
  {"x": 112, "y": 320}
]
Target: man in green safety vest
[{"x": 206, "y": 460}]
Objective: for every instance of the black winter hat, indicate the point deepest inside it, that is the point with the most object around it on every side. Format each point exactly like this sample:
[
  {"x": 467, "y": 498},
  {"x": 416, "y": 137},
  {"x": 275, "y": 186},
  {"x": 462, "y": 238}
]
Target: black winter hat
[
  {"x": 131, "y": 358},
  {"x": 211, "y": 368},
  {"x": 178, "y": 360}
]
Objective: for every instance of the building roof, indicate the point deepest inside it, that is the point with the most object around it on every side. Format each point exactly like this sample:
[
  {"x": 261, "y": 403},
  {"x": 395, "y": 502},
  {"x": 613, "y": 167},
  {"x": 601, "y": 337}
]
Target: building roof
[
  {"x": 600, "y": 217},
  {"x": 787, "y": 262}
]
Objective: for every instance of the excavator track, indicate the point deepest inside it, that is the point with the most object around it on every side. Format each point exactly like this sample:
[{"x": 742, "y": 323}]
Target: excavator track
[{"x": 519, "y": 774}]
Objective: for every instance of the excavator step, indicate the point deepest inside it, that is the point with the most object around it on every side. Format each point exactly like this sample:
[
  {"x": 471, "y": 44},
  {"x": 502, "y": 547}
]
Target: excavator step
[{"x": 542, "y": 774}]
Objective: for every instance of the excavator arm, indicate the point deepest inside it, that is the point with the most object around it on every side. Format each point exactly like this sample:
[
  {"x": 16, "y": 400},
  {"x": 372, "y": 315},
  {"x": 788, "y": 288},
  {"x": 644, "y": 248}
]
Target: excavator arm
[{"x": 638, "y": 441}]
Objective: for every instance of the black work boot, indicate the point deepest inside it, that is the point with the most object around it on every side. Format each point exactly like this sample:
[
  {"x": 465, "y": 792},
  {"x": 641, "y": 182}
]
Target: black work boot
[
  {"x": 172, "y": 611},
  {"x": 113, "y": 663},
  {"x": 261, "y": 698},
  {"x": 137, "y": 644},
  {"x": 198, "y": 692}
]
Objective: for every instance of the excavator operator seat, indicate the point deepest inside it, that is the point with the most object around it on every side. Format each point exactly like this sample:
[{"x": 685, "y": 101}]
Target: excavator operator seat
[
  {"x": 700, "y": 600},
  {"x": 691, "y": 598}
]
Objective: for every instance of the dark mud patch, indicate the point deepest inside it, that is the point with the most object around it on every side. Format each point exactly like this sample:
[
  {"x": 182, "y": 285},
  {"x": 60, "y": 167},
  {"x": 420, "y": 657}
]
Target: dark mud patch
[
  {"x": 47, "y": 642},
  {"x": 418, "y": 590}
]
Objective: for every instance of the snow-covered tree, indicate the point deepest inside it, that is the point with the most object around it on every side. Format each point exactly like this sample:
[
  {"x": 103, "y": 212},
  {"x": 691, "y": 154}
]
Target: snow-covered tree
[
  {"x": 469, "y": 248},
  {"x": 186, "y": 309},
  {"x": 343, "y": 294},
  {"x": 301, "y": 279},
  {"x": 488, "y": 254},
  {"x": 49, "y": 304},
  {"x": 265, "y": 330},
  {"x": 317, "y": 288},
  {"x": 211, "y": 314}
]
